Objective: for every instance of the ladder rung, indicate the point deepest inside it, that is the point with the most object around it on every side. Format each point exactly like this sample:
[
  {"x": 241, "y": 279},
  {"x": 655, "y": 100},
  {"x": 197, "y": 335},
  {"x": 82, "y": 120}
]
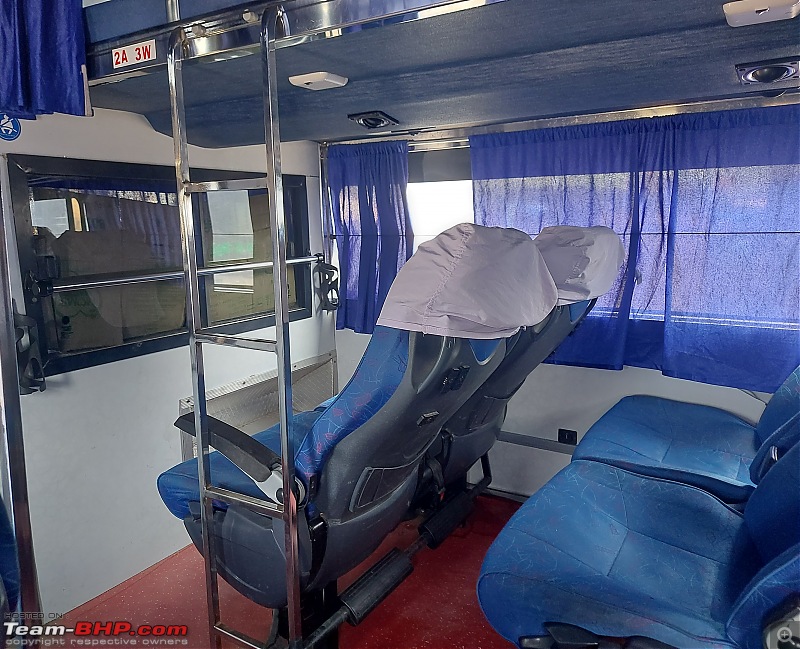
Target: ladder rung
[
  {"x": 226, "y": 185},
  {"x": 255, "y": 265},
  {"x": 229, "y": 268},
  {"x": 231, "y": 497},
  {"x": 236, "y": 341},
  {"x": 238, "y": 638}
]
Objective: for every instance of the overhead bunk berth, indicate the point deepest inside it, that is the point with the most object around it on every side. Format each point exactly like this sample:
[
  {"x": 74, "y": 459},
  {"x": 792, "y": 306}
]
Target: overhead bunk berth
[
  {"x": 433, "y": 66},
  {"x": 129, "y": 44}
]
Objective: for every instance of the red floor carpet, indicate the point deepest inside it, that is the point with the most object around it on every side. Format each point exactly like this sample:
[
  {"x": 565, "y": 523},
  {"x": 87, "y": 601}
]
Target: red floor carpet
[{"x": 435, "y": 608}]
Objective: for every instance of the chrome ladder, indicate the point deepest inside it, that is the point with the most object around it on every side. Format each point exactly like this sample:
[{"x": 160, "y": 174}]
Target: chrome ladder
[{"x": 181, "y": 42}]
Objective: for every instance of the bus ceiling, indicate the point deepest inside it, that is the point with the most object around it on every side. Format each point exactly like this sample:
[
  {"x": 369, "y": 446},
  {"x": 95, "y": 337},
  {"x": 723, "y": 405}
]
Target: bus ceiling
[{"x": 452, "y": 65}]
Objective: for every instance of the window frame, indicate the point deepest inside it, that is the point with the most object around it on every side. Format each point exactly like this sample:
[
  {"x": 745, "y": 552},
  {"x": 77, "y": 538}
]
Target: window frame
[{"x": 21, "y": 167}]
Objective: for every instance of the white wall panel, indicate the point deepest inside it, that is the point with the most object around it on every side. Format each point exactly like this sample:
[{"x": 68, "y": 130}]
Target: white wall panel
[{"x": 98, "y": 438}]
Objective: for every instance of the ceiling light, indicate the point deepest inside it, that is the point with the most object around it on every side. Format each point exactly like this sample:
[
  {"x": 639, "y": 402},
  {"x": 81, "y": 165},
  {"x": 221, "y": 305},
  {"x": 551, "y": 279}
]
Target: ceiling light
[
  {"x": 753, "y": 12},
  {"x": 318, "y": 80}
]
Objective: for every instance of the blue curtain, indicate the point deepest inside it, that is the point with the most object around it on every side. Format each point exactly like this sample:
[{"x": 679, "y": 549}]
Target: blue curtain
[
  {"x": 582, "y": 176},
  {"x": 708, "y": 207},
  {"x": 43, "y": 57},
  {"x": 371, "y": 224}
]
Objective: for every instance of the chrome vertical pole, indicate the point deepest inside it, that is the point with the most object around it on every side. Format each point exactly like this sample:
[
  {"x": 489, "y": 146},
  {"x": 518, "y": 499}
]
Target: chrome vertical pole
[
  {"x": 327, "y": 213},
  {"x": 194, "y": 320},
  {"x": 328, "y": 238},
  {"x": 173, "y": 11},
  {"x": 269, "y": 24},
  {"x": 11, "y": 418}
]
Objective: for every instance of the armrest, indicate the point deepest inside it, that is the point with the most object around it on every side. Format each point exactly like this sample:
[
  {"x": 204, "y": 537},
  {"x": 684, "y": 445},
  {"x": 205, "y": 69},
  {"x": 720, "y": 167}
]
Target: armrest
[{"x": 250, "y": 455}]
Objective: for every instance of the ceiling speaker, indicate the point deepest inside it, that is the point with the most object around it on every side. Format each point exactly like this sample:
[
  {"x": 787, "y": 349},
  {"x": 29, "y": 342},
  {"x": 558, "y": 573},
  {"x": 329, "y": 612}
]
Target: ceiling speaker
[
  {"x": 373, "y": 119},
  {"x": 768, "y": 71}
]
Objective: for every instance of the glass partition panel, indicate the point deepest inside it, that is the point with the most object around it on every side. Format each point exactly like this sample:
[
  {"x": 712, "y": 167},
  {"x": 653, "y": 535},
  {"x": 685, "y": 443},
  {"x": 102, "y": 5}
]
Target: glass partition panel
[{"x": 107, "y": 238}]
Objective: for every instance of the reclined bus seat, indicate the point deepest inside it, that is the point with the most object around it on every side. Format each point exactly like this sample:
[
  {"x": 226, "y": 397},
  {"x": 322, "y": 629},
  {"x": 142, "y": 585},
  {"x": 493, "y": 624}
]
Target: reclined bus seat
[
  {"x": 700, "y": 445},
  {"x": 359, "y": 457},
  {"x": 584, "y": 263},
  {"x": 624, "y": 555}
]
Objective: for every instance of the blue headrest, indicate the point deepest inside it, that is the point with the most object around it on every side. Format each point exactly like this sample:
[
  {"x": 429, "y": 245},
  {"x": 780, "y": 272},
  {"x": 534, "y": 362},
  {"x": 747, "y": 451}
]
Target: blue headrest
[
  {"x": 772, "y": 514},
  {"x": 784, "y": 404}
]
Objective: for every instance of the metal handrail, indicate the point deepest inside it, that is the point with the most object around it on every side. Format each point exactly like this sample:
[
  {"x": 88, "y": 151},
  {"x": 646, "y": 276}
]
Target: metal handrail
[
  {"x": 76, "y": 284},
  {"x": 235, "y": 341},
  {"x": 226, "y": 185}
]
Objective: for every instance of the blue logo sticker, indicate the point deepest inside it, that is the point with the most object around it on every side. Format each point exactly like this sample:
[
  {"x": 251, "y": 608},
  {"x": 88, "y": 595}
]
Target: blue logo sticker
[{"x": 10, "y": 128}]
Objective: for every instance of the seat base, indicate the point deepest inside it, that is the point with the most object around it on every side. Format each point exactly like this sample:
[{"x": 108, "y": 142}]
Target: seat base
[
  {"x": 621, "y": 555},
  {"x": 685, "y": 442}
]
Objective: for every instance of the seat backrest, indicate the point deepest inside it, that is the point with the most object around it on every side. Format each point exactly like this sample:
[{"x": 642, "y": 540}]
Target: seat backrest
[
  {"x": 534, "y": 346},
  {"x": 361, "y": 458},
  {"x": 482, "y": 415},
  {"x": 781, "y": 407},
  {"x": 769, "y": 591},
  {"x": 531, "y": 347},
  {"x": 772, "y": 518},
  {"x": 584, "y": 263},
  {"x": 375, "y": 380},
  {"x": 772, "y": 513}
]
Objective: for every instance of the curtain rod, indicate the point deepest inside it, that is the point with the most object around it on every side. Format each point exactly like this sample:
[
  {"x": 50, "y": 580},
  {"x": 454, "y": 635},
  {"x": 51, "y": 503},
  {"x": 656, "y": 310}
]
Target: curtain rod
[{"x": 458, "y": 136}]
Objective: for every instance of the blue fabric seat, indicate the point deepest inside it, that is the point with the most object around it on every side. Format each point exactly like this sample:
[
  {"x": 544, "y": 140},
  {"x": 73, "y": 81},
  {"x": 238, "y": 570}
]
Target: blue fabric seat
[
  {"x": 180, "y": 486},
  {"x": 358, "y": 456},
  {"x": 314, "y": 432},
  {"x": 622, "y": 555},
  {"x": 691, "y": 443}
]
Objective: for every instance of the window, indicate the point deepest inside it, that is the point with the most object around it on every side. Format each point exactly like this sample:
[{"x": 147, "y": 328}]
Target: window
[
  {"x": 231, "y": 235},
  {"x": 439, "y": 192},
  {"x": 436, "y": 206},
  {"x": 89, "y": 228}
]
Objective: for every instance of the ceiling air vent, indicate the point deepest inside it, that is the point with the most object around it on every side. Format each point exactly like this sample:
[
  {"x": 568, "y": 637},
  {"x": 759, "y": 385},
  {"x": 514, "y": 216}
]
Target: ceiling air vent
[
  {"x": 768, "y": 71},
  {"x": 373, "y": 119}
]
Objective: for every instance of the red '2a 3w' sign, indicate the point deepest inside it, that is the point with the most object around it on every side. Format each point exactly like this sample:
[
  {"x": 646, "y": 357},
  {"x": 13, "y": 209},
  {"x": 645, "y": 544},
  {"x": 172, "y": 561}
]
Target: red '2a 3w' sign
[{"x": 133, "y": 54}]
